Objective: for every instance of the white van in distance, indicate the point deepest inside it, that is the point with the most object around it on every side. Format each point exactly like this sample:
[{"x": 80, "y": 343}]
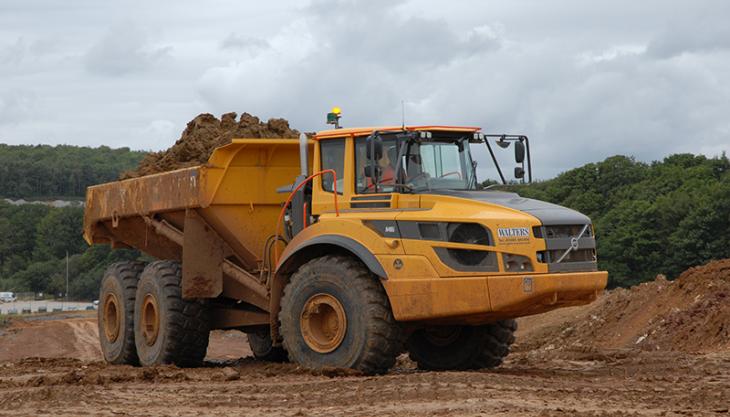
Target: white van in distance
[{"x": 7, "y": 297}]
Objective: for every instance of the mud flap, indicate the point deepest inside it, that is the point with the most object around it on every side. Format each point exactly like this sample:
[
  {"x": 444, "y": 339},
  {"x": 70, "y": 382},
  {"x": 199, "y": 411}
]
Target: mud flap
[{"x": 203, "y": 255}]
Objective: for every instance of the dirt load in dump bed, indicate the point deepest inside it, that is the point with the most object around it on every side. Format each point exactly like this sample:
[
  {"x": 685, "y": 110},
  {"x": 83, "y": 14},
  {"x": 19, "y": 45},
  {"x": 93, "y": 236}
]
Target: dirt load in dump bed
[
  {"x": 689, "y": 314},
  {"x": 205, "y": 133}
]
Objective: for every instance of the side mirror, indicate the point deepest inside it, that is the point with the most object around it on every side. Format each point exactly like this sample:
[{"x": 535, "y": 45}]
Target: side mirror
[
  {"x": 519, "y": 152},
  {"x": 374, "y": 147},
  {"x": 368, "y": 171},
  {"x": 519, "y": 172}
]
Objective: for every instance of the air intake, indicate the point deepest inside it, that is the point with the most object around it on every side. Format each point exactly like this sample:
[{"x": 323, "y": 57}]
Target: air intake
[{"x": 472, "y": 234}]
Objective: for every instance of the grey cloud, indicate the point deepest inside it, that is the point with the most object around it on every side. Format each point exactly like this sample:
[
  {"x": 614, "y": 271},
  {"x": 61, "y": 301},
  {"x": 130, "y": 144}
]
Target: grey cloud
[
  {"x": 691, "y": 37},
  {"x": 16, "y": 106},
  {"x": 379, "y": 33},
  {"x": 246, "y": 43},
  {"x": 364, "y": 56},
  {"x": 124, "y": 49},
  {"x": 13, "y": 53}
]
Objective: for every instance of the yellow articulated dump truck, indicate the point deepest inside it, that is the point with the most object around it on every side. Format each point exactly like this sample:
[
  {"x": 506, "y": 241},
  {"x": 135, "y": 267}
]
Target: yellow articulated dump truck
[{"x": 341, "y": 250}]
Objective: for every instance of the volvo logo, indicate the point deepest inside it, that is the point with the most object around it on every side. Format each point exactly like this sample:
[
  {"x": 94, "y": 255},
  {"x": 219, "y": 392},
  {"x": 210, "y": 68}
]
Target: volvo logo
[{"x": 574, "y": 243}]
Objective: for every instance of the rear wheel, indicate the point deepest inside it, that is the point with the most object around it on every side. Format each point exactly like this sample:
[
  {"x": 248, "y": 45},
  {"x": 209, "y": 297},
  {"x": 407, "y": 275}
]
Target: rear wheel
[
  {"x": 335, "y": 313},
  {"x": 116, "y": 312},
  {"x": 168, "y": 329},
  {"x": 443, "y": 348},
  {"x": 263, "y": 349}
]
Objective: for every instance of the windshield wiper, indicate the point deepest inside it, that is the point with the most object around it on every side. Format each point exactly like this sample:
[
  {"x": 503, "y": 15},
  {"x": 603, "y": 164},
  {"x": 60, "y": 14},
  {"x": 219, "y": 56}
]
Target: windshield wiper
[{"x": 473, "y": 180}]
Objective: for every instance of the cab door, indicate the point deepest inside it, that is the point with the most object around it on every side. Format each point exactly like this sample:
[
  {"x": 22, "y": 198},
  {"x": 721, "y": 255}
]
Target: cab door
[
  {"x": 381, "y": 196},
  {"x": 332, "y": 154}
]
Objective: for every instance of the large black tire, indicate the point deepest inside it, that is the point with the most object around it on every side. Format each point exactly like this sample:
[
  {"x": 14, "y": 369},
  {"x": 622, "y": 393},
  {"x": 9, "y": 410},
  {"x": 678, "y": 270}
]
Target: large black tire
[
  {"x": 116, "y": 312},
  {"x": 263, "y": 349},
  {"x": 462, "y": 347},
  {"x": 371, "y": 338},
  {"x": 168, "y": 329}
]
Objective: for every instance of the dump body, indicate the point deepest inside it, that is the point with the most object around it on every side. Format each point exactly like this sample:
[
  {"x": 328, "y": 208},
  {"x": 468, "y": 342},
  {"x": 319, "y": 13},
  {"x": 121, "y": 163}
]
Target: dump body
[{"x": 235, "y": 193}]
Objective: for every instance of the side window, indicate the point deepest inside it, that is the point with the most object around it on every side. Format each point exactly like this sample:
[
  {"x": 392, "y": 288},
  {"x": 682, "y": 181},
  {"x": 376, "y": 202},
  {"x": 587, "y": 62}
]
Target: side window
[
  {"x": 385, "y": 167},
  {"x": 361, "y": 183},
  {"x": 333, "y": 157}
]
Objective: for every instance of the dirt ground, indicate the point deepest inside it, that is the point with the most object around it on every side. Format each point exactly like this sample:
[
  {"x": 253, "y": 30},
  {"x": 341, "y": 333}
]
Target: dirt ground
[
  {"x": 659, "y": 349},
  {"x": 51, "y": 366}
]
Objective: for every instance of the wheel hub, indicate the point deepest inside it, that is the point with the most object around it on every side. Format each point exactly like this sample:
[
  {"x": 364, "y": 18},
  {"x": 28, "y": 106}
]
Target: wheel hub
[
  {"x": 150, "y": 319},
  {"x": 323, "y": 323},
  {"x": 111, "y": 317}
]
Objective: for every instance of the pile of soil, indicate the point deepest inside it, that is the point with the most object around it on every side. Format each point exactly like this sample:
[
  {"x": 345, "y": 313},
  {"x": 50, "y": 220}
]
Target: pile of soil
[
  {"x": 205, "y": 133},
  {"x": 689, "y": 314}
]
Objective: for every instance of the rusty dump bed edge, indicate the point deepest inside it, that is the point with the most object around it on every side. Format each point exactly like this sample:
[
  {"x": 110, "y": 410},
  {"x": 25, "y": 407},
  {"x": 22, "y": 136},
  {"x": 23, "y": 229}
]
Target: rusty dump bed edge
[{"x": 167, "y": 191}]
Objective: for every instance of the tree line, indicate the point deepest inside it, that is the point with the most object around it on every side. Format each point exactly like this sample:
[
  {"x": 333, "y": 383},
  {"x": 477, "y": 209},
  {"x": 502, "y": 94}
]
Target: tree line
[{"x": 42, "y": 171}]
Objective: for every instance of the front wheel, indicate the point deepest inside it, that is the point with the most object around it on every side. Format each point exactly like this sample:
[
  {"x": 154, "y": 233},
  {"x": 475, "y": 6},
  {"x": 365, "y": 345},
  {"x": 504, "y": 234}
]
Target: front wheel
[
  {"x": 335, "y": 313},
  {"x": 442, "y": 348}
]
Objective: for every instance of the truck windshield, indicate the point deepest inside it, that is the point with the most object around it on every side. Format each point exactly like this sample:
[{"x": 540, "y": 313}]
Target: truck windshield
[{"x": 426, "y": 164}]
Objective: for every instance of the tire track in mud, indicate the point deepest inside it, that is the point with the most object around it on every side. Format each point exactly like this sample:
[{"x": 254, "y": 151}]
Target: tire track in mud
[{"x": 85, "y": 339}]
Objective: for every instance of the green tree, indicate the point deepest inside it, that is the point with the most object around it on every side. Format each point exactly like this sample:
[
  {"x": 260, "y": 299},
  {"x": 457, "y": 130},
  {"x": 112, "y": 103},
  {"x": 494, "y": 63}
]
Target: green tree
[
  {"x": 38, "y": 276},
  {"x": 59, "y": 232}
]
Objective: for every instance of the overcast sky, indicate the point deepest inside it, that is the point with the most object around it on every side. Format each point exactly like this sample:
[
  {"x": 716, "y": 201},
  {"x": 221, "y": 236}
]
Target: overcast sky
[{"x": 584, "y": 79}]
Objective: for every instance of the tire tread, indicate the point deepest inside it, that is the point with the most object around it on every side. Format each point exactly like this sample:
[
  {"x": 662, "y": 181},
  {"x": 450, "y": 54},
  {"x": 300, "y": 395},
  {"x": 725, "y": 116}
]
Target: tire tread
[
  {"x": 128, "y": 273},
  {"x": 486, "y": 347},
  {"x": 188, "y": 323},
  {"x": 384, "y": 342}
]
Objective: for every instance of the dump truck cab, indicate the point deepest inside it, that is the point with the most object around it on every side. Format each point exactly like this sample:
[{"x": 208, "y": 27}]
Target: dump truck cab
[{"x": 445, "y": 251}]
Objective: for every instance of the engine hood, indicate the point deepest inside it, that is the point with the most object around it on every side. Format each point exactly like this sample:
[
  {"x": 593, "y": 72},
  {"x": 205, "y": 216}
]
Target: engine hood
[{"x": 547, "y": 213}]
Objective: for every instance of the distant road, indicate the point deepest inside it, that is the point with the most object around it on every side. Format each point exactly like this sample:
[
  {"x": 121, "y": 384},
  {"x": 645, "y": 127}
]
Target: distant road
[
  {"x": 51, "y": 203},
  {"x": 50, "y": 305}
]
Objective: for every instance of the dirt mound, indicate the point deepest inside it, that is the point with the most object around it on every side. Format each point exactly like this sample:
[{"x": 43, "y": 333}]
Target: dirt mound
[
  {"x": 689, "y": 314},
  {"x": 61, "y": 336},
  {"x": 71, "y": 337},
  {"x": 205, "y": 133}
]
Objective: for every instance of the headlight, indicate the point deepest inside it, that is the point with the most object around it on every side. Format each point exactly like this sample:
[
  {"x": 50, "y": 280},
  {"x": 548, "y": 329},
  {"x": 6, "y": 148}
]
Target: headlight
[{"x": 516, "y": 263}]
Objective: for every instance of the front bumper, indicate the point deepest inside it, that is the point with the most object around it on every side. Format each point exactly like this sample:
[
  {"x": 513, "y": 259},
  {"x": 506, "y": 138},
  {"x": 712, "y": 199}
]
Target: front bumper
[{"x": 477, "y": 300}]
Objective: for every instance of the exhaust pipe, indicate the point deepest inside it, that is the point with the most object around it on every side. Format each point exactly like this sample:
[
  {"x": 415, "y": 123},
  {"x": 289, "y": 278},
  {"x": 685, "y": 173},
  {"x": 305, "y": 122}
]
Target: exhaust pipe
[{"x": 303, "y": 157}]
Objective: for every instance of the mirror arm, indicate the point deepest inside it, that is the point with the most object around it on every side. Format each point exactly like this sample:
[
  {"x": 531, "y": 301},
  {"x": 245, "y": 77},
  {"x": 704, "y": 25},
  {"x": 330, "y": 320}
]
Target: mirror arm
[{"x": 529, "y": 161}]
